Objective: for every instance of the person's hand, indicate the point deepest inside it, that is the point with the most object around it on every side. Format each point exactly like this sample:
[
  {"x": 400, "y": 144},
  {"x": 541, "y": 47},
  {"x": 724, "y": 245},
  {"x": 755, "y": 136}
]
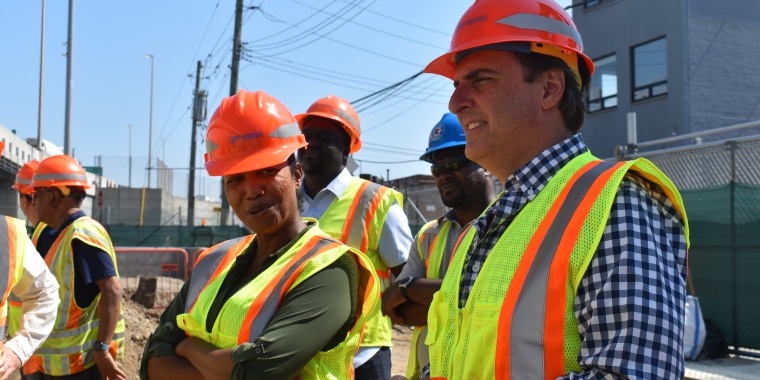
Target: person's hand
[
  {"x": 392, "y": 298},
  {"x": 9, "y": 363},
  {"x": 107, "y": 366}
]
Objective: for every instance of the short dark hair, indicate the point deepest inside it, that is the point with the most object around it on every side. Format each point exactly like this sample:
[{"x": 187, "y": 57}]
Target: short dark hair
[{"x": 573, "y": 103}]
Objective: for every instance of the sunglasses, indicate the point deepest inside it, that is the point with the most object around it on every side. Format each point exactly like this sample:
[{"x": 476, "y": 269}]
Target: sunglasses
[{"x": 450, "y": 164}]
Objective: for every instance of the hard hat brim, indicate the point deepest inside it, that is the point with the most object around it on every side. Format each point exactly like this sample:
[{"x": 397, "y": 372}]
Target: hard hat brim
[
  {"x": 356, "y": 142},
  {"x": 428, "y": 156},
  {"x": 247, "y": 162}
]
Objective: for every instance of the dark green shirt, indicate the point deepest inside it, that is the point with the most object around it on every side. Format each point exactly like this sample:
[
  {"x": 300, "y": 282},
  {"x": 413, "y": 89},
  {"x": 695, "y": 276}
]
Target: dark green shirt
[{"x": 315, "y": 316}]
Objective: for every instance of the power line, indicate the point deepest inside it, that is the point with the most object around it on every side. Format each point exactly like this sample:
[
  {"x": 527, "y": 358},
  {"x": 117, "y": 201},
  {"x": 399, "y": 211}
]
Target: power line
[
  {"x": 387, "y": 88},
  {"x": 402, "y": 112},
  {"x": 406, "y": 22},
  {"x": 292, "y": 25},
  {"x": 373, "y": 29}
]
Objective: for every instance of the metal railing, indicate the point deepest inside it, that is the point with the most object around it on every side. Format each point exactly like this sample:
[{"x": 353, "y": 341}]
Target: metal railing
[{"x": 168, "y": 265}]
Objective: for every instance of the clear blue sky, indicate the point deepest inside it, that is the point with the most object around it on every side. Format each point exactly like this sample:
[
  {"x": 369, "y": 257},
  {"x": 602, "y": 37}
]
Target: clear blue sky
[{"x": 309, "y": 53}]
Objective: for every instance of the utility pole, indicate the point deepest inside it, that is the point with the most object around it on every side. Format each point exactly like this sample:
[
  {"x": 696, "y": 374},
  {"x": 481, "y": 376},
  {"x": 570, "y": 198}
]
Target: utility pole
[
  {"x": 150, "y": 128},
  {"x": 234, "y": 68},
  {"x": 69, "y": 81},
  {"x": 193, "y": 142},
  {"x": 42, "y": 75}
]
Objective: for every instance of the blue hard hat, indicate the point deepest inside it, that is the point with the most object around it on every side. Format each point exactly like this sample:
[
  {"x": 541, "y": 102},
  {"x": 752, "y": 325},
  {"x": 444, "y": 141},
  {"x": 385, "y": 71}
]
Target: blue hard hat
[{"x": 447, "y": 133}]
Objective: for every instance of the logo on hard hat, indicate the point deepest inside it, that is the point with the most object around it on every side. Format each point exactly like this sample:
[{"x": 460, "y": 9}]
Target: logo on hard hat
[{"x": 437, "y": 132}]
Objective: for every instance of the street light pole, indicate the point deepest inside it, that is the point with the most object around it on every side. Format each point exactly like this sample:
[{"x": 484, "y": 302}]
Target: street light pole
[
  {"x": 150, "y": 129},
  {"x": 130, "y": 154},
  {"x": 42, "y": 75},
  {"x": 67, "y": 149}
]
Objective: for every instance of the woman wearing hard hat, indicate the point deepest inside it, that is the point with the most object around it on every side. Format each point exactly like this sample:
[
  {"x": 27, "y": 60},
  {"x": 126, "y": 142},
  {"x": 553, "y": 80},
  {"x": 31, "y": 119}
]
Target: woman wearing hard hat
[{"x": 284, "y": 302}]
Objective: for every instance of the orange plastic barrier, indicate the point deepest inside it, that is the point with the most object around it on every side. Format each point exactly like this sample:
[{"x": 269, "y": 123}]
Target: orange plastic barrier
[{"x": 168, "y": 265}]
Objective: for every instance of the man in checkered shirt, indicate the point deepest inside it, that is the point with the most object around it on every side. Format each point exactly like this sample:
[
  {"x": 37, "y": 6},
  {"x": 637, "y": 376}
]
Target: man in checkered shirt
[{"x": 522, "y": 108}]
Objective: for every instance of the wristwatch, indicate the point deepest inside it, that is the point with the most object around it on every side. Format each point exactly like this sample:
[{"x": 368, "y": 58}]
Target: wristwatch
[
  {"x": 100, "y": 346},
  {"x": 402, "y": 286}
]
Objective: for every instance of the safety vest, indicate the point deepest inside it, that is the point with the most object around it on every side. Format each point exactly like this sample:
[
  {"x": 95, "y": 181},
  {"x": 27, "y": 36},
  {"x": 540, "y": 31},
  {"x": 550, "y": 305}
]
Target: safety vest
[
  {"x": 12, "y": 249},
  {"x": 14, "y": 302},
  {"x": 431, "y": 245},
  {"x": 356, "y": 218},
  {"x": 69, "y": 348},
  {"x": 519, "y": 320},
  {"x": 248, "y": 312}
]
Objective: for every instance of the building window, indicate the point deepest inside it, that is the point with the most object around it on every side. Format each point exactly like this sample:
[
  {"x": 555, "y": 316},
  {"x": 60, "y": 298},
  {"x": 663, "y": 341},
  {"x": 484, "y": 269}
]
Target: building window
[
  {"x": 650, "y": 70},
  {"x": 603, "y": 90}
]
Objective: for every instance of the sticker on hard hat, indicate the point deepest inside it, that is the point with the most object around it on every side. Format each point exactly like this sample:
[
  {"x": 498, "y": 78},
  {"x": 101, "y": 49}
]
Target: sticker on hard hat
[
  {"x": 437, "y": 132},
  {"x": 248, "y": 136}
]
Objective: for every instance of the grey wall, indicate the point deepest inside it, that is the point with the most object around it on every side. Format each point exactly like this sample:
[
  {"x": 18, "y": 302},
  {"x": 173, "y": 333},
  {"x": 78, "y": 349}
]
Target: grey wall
[
  {"x": 713, "y": 61},
  {"x": 724, "y": 63},
  {"x": 615, "y": 26}
]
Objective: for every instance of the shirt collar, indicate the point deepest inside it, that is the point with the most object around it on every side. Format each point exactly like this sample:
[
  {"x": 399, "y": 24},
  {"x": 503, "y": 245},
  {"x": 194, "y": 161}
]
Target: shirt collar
[
  {"x": 533, "y": 176},
  {"x": 71, "y": 219},
  {"x": 337, "y": 186}
]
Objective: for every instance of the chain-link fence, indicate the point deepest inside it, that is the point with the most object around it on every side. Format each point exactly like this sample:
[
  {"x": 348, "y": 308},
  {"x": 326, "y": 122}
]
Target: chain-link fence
[{"x": 720, "y": 186}]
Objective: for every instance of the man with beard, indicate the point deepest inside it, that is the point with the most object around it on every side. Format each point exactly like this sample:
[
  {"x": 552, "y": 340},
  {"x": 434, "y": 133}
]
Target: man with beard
[
  {"x": 467, "y": 189},
  {"x": 362, "y": 214}
]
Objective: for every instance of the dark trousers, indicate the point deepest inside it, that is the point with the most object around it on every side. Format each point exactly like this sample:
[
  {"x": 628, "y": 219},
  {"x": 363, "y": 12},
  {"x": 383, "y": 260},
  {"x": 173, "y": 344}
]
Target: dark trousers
[
  {"x": 378, "y": 367},
  {"x": 91, "y": 373}
]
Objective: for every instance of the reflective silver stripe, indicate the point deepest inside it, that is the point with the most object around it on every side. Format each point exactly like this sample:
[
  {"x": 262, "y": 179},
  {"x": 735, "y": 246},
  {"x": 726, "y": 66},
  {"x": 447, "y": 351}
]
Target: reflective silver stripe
[
  {"x": 205, "y": 268},
  {"x": 65, "y": 312},
  {"x": 79, "y": 330},
  {"x": 527, "y": 328},
  {"x": 543, "y": 24},
  {"x": 287, "y": 130},
  {"x": 64, "y": 177},
  {"x": 47, "y": 363},
  {"x": 65, "y": 366},
  {"x": 270, "y": 305},
  {"x": 357, "y": 232},
  {"x": 73, "y": 349},
  {"x": 23, "y": 181},
  {"x": 5, "y": 254},
  {"x": 3, "y": 328},
  {"x": 348, "y": 118}
]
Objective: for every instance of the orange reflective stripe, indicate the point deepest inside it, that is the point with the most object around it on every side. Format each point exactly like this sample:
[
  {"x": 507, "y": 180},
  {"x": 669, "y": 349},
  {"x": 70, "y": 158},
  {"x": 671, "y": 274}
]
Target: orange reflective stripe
[
  {"x": 371, "y": 214},
  {"x": 231, "y": 254},
  {"x": 352, "y": 213},
  {"x": 263, "y": 296},
  {"x": 74, "y": 314},
  {"x": 503, "y": 357},
  {"x": 383, "y": 274},
  {"x": 15, "y": 304},
  {"x": 554, "y": 319}
]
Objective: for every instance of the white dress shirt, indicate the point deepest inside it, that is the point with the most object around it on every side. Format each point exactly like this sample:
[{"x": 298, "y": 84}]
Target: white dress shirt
[
  {"x": 395, "y": 238},
  {"x": 38, "y": 290}
]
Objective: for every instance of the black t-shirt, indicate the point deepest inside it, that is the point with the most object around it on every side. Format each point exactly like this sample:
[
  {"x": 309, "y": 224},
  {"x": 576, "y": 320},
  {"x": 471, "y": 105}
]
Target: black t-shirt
[{"x": 91, "y": 264}]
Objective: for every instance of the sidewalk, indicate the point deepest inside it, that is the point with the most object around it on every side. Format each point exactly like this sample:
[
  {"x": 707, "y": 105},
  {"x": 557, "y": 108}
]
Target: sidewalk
[{"x": 723, "y": 369}]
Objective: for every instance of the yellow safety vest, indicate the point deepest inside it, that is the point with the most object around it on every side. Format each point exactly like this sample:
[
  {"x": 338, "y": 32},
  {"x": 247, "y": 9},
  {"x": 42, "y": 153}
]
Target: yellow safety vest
[
  {"x": 431, "y": 245},
  {"x": 356, "y": 218},
  {"x": 14, "y": 304},
  {"x": 12, "y": 250},
  {"x": 69, "y": 348},
  {"x": 248, "y": 312},
  {"x": 518, "y": 322}
]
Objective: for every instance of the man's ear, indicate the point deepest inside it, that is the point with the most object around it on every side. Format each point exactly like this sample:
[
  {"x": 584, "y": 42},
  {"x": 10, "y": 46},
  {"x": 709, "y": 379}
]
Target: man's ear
[
  {"x": 554, "y": 88},
  {"x": 298, "y": 175}
]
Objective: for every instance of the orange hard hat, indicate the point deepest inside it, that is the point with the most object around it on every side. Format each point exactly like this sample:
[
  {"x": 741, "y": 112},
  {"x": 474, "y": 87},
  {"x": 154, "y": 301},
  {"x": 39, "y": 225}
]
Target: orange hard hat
[
  {"x": 523, "y": 26},
  {"x": 58, "y": 171},
  {"x": 340, "y": 110},
  {"x": 250, "y": 131},
  {"x": 24, "y": 176}
]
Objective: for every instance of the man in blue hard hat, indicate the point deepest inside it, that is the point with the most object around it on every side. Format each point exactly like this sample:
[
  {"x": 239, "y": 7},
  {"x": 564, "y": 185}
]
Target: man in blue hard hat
[{"x": 467, "y": 189}]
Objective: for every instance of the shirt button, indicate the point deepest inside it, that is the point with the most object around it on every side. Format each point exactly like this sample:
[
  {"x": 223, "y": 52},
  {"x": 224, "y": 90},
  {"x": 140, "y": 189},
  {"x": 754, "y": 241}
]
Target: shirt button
[
  {"x": 476, "y": 268},
  {"x": 530, "y": 191}
]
